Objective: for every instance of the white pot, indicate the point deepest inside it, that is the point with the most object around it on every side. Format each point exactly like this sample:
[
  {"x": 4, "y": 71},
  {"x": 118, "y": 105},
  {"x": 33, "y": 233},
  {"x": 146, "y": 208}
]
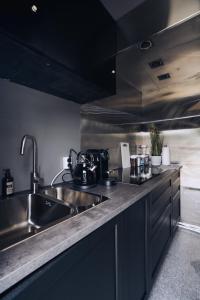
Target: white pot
[{"x": 156, "y": 160}]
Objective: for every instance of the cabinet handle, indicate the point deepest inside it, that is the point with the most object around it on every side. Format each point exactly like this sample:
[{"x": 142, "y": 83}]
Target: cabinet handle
[{"x": 116, "y": 262}]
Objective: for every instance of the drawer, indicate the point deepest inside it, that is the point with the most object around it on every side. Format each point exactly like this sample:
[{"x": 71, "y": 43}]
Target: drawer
[
  {"x": 175, "y": 186},
  {"x": 160, "y": 241},
  {"x": 159, "y": 191},
  {"x": 175, "y": 209},
  {"x": 175, "y": 175},
  {"x": 159, "y": 207}
]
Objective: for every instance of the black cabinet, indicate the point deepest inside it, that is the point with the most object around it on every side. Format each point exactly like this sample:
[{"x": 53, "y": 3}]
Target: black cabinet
[
  {"x": 159, "y": 242},
  {"x": 135, "y": 251},
  {"x": 85, "y": 271},
  {"x": 109, "y": 264},
  {"x": 54, "y": 48},
  {"x": 118, "y": 261},
  {"x": 132, "y": 252},
  {"x": 159, "y": 227},
  {"x": 176, "y": 210},
  {"x": 163, "y": 213},
  {"x": 160, "y": 198}
]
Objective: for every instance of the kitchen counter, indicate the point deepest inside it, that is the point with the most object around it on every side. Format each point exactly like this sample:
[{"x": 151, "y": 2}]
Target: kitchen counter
[{"x": 24, "y": 258}]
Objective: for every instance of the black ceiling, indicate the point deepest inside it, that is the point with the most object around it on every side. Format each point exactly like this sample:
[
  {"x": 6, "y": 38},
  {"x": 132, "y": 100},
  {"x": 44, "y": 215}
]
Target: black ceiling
[
  {"x": 118, "y": 8},
  {"x": 59, "y": 48}
]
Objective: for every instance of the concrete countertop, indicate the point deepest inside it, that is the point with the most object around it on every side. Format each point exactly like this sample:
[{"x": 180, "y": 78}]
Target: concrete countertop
[{"x": 22, "y": 259}]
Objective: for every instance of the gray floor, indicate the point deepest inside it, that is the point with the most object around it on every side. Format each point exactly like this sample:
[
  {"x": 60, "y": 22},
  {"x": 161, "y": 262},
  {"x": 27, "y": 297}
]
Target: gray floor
[{"x": 179, "y": 276}]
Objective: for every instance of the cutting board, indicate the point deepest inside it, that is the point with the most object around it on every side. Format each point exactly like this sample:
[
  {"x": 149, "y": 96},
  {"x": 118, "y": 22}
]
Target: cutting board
[{"x": 125, "y": 153}]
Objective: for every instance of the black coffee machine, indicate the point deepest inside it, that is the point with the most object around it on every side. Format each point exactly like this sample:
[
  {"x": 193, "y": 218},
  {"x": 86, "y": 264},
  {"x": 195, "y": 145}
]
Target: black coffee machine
[{"x": 101, "y": 158}]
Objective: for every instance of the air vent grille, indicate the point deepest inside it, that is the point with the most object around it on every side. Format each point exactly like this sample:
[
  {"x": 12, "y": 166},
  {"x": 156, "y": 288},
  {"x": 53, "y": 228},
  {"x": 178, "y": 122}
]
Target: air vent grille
[
  {"x": 156, "y": 63},
  {"x": 164, "y": 76}
]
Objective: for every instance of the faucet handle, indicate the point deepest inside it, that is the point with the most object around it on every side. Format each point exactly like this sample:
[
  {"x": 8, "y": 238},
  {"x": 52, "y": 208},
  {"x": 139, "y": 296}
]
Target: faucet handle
[
  {"x": 36, "y": 182},
  {"x": 36, "y": 177}
]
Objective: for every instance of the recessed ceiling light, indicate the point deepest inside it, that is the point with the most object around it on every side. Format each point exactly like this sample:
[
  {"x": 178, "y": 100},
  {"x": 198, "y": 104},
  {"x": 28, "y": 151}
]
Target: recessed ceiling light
[
  {"x": 113, "y": 72},
  {"x": 145, "y": 45},
  {"x": 34, "y": 8}
]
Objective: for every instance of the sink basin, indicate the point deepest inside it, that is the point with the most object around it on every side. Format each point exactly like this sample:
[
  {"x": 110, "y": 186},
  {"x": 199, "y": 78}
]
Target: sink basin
[
  {"x": 81, "y": 201},
  {"x": 26, "y": 215}
]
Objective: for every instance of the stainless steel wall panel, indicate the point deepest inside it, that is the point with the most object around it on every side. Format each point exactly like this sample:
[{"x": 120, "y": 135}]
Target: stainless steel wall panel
[{"x": 141, "y": 98}]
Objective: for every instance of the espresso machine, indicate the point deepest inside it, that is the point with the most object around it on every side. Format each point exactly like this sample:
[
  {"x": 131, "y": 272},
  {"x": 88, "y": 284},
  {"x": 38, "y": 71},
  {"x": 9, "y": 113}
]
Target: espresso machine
[{"x": 101, "y": 159}]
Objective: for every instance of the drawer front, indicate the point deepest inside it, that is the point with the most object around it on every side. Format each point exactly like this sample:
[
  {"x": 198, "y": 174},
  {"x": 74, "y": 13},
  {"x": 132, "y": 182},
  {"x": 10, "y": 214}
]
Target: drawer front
[
  {"x": 175, "y": 175},
  {"x": 175, "y": 186},
  {"x": 160, "y": 199},
  {"x": 158, "y": 207},
  {"x": 159, "y": 191},
  {"x": 160, "y": 241},
  {"x": 175, "y": 210}
]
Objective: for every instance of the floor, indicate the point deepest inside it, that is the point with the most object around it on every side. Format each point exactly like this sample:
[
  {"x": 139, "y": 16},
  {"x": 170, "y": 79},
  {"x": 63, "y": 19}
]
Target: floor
[{"x": 179, "y": 276}]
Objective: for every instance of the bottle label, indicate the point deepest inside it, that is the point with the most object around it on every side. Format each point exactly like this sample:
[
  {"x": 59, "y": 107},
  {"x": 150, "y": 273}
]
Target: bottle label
[
  {"x": 84, "y": 177},
  {"x": 9, "y": 188}
]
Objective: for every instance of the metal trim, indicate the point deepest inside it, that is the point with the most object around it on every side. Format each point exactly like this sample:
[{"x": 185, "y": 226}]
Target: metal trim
[
  {"x": 116, "y": 263},
  {"x": 159, "y": 121}
]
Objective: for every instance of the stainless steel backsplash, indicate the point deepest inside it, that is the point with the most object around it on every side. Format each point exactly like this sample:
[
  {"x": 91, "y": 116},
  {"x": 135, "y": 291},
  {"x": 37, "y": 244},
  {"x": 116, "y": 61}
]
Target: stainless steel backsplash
[
  {"x": 184, "y": 147},
  {"x": 99, "y": 135}
]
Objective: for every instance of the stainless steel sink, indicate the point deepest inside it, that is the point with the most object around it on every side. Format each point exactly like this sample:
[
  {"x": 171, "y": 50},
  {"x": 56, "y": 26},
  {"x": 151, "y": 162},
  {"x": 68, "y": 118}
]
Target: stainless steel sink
[
  {"x": 81, "y": 201},
  {"x": 26, "y": 215}
]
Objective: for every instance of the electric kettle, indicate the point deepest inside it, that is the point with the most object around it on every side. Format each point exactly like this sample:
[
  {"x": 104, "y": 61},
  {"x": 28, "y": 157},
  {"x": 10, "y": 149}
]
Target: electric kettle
[{"x": 84, "y": 174}]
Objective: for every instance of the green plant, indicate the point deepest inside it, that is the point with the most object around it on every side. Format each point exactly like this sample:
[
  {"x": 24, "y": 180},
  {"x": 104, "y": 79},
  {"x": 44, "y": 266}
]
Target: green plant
[{"x": 156, "y": 141}]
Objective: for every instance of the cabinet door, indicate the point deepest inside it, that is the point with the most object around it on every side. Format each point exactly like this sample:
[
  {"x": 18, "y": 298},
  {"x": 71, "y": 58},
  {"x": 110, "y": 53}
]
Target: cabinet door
[
  {"x": 85, "y": 271},
  {"x": 132, "y": 263},
  {"x": 159, "y": 242}
]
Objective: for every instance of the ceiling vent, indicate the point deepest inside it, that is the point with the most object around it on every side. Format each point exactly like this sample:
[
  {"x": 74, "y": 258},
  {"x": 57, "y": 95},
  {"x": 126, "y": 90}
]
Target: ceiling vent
[
  {"x": 164, "y": 76},
  {"x": 156, "y": 63}
]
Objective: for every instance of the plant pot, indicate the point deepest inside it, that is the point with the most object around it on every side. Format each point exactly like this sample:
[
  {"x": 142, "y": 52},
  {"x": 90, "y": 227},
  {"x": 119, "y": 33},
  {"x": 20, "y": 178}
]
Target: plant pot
[{"x": 156, "y": 160}]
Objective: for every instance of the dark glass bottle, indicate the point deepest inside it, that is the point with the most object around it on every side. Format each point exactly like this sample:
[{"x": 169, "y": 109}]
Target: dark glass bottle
[{"x": 7, "y": 184}]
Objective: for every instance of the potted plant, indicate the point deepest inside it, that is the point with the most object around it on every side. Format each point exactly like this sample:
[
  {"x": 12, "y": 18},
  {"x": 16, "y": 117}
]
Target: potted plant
[{"x": 156, "y": 145}]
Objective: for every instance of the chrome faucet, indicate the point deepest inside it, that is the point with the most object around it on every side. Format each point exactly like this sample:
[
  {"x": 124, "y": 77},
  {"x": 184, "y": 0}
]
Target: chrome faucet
[{"x": 34, "y": 175}]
